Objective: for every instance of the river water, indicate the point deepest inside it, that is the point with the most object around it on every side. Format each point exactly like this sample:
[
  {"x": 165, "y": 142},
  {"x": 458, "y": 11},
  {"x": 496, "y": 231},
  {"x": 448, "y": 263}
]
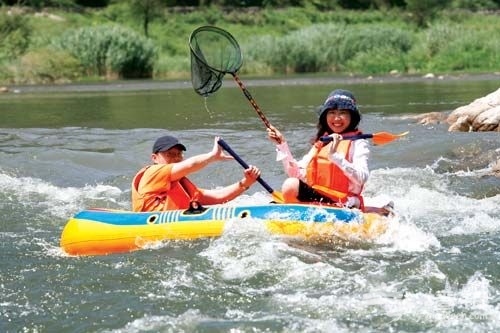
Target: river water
[{"x": 64, "y": 149}]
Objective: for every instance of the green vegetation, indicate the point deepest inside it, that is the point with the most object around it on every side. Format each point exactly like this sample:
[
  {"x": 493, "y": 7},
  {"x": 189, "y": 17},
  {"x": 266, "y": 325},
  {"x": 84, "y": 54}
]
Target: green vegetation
[
  {"x": 109, "y": 50},
  {"x": 145, "y": 38}
]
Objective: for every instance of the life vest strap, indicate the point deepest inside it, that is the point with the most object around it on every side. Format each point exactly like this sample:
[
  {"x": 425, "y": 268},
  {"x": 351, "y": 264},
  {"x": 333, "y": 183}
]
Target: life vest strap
[{"x": 332, "y": 194}]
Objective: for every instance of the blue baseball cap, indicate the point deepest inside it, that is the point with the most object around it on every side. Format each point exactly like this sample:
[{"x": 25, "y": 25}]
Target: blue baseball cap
[{"x": 166, "y": 142}]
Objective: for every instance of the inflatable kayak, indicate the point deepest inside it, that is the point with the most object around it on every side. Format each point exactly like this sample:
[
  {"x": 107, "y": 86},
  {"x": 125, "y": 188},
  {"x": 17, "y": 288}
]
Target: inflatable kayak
[{"x": 103, "y": 231}]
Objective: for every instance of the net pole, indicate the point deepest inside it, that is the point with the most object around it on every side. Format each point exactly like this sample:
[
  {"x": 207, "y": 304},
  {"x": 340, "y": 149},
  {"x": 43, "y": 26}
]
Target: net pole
[{"x": 251, "y": 100}]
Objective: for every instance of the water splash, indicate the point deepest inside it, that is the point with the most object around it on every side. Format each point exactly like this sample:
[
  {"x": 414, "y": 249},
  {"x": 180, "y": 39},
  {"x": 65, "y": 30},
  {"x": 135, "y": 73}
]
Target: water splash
[{"x": 38, "y": 195}]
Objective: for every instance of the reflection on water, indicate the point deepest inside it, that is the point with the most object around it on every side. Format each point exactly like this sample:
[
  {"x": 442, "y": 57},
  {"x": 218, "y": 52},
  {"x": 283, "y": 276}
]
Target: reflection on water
[{"x": 184, "y": 109}]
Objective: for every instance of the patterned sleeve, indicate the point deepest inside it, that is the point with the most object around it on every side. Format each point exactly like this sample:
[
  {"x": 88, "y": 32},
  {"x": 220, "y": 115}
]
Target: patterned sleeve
[{"x": 293, "y": 168}]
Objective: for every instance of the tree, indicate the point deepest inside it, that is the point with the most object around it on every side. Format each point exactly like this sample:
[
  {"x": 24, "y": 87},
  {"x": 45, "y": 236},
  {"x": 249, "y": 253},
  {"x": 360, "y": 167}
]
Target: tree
[
  {"x": 424, "y": 11},
  {"x": 148, "y": 10}
]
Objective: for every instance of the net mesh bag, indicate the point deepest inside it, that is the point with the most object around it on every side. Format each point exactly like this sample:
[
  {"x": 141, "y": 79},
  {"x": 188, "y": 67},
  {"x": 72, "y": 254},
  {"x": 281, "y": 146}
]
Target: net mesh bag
[{"x": 214, "y": 53}]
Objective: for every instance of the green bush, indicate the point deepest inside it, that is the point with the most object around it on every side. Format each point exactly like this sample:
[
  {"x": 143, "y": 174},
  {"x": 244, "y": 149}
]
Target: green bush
[
  {"x": 458, "y": 47},
  {"x": 438, "y": 36},
  {"x": 327, "y": 47},
  {"x": 5, "y": 74},
  {"x": 304, "y": 50},
  {"x": 423, "y": 12},
  {"x": 168, "y": 67},
  {"x": 210, "y": 15},
  {"x": 474, "y": 4},
  {"x": 378, "y": 37},
  {"x": 470, "y": 52},
  {"x": 15, "y": 34},
  {"x": 46, "y": 66},
  {"x": 111, "y": 51},
  {"x": 377, "y": 61}
]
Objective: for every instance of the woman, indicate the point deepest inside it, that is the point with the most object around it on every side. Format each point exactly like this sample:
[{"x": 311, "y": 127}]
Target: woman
[{"x": 335, "y": 170}]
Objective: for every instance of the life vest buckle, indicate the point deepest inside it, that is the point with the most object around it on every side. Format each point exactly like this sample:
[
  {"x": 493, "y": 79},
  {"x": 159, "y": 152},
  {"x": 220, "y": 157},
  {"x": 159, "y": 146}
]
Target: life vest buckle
[{"x": 194, "y": 208}]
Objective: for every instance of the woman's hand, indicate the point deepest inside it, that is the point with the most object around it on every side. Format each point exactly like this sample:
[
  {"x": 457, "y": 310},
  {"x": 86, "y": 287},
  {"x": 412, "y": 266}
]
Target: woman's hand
[
  {"x": 336, "y": 138},
  {"x": 275, "y": 135}
]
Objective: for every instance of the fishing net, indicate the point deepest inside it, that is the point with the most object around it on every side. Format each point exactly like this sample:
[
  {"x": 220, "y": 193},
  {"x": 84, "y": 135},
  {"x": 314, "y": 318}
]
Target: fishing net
[{"x": 214, "y": 53}]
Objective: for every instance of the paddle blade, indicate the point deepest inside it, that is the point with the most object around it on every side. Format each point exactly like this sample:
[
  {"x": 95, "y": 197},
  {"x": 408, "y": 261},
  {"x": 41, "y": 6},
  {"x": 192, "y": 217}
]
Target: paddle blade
[
  {"x": 278, "y": 197},
  {"x": 382, "y": 138}
]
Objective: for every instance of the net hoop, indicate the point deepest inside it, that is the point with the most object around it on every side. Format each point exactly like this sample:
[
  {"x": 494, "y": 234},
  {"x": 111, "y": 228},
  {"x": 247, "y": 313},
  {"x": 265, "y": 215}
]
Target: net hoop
[
  {"x": 211, "y": 46},
  {"x": 230, "y": 39}
]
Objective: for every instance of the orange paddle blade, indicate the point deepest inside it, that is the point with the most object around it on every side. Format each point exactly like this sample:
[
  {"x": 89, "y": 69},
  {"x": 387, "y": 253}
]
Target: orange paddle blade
[{"x": 381, "y": 138}]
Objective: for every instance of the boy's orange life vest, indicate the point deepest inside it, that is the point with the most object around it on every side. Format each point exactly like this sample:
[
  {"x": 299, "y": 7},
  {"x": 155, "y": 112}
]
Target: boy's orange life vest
[
  {"x": 158, "y": 197},
  {"x": 326, "y": 177}
]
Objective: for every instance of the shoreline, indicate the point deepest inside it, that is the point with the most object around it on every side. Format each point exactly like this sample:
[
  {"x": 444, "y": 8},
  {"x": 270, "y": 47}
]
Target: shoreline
[{"x": 152, "y": 85}]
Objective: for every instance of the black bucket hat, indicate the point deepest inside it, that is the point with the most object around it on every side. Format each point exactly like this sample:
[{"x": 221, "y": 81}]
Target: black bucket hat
[
  {"x": 166, "y": 142},
  {"x": 340, "y": 99}
]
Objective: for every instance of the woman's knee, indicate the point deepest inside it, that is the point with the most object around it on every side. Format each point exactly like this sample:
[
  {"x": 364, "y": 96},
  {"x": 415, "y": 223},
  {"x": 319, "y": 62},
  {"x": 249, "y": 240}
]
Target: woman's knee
[
  {"x": 290, "y": 189},
  {"x": 290, "y": 184}
]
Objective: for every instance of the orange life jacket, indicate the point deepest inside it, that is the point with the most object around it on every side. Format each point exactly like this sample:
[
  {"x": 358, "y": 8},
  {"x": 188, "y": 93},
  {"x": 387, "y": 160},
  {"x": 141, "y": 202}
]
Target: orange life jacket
[
  {"x": 326, "y": 177},
  {"x": 156, "y": 197}
]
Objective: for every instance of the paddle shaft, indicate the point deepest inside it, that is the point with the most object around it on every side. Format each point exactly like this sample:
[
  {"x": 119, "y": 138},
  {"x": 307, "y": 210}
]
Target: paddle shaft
[
  {"x": 348, "y": 137},
  {"x": 231, "y": 152}
]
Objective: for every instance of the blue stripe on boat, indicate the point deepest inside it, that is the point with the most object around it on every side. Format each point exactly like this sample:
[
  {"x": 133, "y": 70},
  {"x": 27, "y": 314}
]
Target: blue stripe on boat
[{"x": 284, "y": 212}]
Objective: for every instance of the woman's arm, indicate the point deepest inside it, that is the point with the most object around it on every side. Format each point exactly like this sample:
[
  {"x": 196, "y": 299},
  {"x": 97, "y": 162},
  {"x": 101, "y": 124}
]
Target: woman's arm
[{"x": 293, "y": 168}]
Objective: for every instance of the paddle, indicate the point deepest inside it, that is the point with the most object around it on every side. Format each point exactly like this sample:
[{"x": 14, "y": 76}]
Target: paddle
[
  {"x": 278, "y": 197},
  {"x": 379, "y": 138}
]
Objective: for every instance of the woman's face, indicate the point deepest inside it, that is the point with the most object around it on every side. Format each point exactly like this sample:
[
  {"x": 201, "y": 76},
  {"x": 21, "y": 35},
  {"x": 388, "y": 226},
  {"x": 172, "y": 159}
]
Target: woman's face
[{"x": 338, "y": 120}]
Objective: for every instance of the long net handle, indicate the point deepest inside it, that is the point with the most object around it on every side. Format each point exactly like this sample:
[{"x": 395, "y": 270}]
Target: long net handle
[{"x": 251, "y": 100}]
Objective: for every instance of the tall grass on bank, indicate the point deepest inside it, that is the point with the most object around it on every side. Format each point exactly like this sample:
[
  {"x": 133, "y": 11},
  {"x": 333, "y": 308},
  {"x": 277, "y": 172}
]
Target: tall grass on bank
[
  {"x": 454, "y": 47},
  {"x": 110, "y": 51},
  {"x": 333, "y": 48}
]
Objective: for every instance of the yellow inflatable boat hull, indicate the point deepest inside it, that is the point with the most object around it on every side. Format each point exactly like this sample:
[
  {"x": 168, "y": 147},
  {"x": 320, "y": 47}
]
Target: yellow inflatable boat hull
[{"x": 103, "y": 231}]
